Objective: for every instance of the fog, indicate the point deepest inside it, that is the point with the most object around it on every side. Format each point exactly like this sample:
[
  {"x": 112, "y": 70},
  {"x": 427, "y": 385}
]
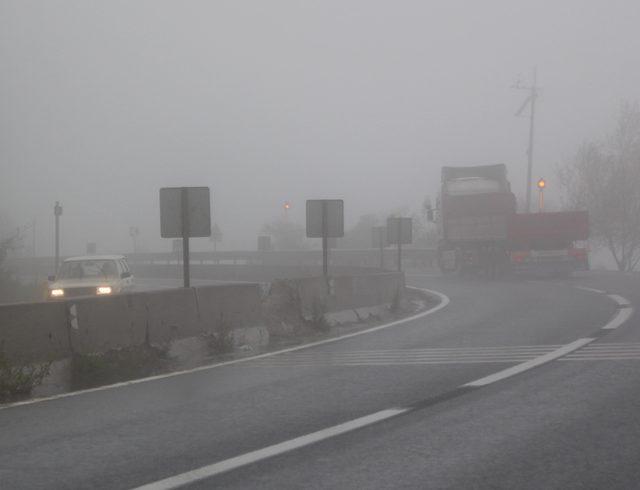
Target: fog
[{"x": 103, "y": 103}]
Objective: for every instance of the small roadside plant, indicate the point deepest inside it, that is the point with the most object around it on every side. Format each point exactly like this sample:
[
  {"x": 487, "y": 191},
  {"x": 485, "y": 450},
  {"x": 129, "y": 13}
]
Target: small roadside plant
[
  {"x": 220, "y": 341},
  {"x": 139, "y": 361},
  {"x": 318, "y": 320},
  {"x": 283, "y": 309},
  {"x": 18, "y": 381},
  {"x": 396, "y": 302}
]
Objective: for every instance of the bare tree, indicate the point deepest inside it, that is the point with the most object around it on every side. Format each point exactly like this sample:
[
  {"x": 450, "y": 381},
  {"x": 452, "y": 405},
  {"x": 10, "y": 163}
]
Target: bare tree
[{"x": 605, "y": 179}]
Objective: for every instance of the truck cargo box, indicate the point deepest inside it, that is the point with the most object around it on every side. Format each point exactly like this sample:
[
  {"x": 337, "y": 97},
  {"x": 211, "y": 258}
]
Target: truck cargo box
[
  {"x": 497, "y": 173},
  {"x": 477, "y": 217},
  {"x": 559, "y": 227}
]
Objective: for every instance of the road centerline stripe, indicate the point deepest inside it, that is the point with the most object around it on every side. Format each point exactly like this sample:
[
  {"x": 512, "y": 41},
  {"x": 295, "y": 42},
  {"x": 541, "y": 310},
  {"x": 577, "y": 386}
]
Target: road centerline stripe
[
  {"x": 214, "y": 469},
  {"x": 305, "y": 440},
  {"x": 525, "y": 366}
]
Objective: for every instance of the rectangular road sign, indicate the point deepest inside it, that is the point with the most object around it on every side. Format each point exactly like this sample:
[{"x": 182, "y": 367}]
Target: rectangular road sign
[
  {"x": 323, "y": 213},
  {"x": 399, "y": 231},
  {"x": 197, "y": 216}
]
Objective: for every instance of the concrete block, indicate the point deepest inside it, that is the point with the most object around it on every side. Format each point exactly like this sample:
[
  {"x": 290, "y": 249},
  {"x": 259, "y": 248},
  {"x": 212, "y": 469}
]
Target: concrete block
[{"x": 34, "y": 332}]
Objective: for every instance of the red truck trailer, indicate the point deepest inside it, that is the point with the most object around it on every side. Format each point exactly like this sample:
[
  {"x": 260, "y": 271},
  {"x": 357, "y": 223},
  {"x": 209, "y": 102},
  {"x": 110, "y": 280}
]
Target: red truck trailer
[
  {"x": 549, "y": 242},
  {"x": 481, "y": 231}
]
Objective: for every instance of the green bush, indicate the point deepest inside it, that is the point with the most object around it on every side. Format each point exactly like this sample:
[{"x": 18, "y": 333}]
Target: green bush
[
  {"x": 113, "y": 366},
  {"x": 18, "y": 381}
]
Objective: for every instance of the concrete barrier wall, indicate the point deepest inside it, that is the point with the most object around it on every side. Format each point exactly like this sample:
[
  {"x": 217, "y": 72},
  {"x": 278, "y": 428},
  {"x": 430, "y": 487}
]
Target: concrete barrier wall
[
  {"x": 343, "y": 292},
  {"x": 36, "y": 332}
]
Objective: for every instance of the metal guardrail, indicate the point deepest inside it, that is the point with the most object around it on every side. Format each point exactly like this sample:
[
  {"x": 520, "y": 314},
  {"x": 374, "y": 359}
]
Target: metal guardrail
[{"x": 337, "y": 257}]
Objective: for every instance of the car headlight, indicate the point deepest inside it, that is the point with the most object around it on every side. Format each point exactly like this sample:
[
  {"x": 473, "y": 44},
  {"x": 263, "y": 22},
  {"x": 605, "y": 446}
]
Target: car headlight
[
  {"x": 57, "y": 293},
  {"x": 104, "y": 290}
]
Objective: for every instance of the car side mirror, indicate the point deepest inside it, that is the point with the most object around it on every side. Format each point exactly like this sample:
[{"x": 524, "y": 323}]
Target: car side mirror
[
  {"x": 51, "y": 278},
  {"x": 124, "y": 275}
]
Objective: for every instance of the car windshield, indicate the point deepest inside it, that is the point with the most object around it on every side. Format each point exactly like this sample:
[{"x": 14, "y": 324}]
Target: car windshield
[{"x": 88, "y": 269}]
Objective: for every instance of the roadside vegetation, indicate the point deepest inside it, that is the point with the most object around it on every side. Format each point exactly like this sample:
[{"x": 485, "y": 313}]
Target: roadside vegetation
[
  {"x": 113, "y": 366},
  {"x": 11, "y": 289},
  {"x": 604, "y": 178},
  {"x": 18, "y": 381}
]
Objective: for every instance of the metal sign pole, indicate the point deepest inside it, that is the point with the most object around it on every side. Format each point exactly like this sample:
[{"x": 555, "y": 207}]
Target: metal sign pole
[
  {"x": 325, "y": 232},
  {"x": 185, "y": 236},
  {"x": 381, "y": 240},
  {"x": 399, "y": 245},
  {"x": 57, "y": 211},
  {"x": 541, "y": 201}
]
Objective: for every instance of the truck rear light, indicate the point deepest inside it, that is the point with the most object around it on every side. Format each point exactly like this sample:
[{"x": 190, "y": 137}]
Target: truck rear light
[
  {"x": 578, "y": 253},
  {"x": 519, "y": 257}
]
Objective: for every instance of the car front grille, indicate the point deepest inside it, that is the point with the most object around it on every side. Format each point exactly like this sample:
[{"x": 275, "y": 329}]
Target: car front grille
[{"x": 75, "y": 292}]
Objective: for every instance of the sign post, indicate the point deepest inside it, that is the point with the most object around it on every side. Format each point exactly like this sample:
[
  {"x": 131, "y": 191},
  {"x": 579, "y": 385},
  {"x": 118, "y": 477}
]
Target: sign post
[
  {"x": 399, "y": 232},
  {"x": 57, "y": 212},
  {"x": 185, "y": 212},
  {"x": 378, "y": 235},
  {"x": 541, "y": 185},
  {"x": 325, "y": 219}
]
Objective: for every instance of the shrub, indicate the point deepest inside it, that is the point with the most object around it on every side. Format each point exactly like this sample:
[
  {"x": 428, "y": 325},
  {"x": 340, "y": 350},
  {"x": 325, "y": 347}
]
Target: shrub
[
  {"x": 88, "y": 370},
  {"x": 220, "y": 341},
  {"x": 18, "y": 381},
  {"x": 318, "y": 321}
]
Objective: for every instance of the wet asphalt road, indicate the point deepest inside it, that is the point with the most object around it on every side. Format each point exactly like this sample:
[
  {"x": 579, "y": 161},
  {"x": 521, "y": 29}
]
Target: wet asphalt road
[{"x": 572, "y": 423}]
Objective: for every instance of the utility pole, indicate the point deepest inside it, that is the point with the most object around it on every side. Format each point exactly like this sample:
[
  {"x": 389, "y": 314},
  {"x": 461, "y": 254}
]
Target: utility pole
[
  {"x": 530, "y": 100},
  {"x": 541, "y": 185},
  {"x": 134, "y": 231},
  {"x": 33, "y": 250},
  {"x": 57, "y": 212}
]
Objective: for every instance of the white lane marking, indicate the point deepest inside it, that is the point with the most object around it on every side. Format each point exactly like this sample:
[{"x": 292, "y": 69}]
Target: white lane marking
[
  {"x": 405, "y": 357},
  {"x": 620, "y": 300},
  {"x": 420, "y": 353},
  {"x": 614, "y": 344},
  {"x": 269, "y": 451},
  {"x": 525, "y": 366},
  {"x": 254, "y": 456},
  {"x": 456, "y": 349},
  {"x": 593, "y": 290},
  {"x": 621, "y": 317},
  {"x": 444, "y": 301},
  {"x": 618, "y": 358},
  {"x": 606, "y": 347}
]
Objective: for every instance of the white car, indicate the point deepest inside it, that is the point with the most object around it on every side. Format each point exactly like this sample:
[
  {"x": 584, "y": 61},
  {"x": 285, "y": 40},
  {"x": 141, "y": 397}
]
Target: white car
[{"x": 96, "y": 275}]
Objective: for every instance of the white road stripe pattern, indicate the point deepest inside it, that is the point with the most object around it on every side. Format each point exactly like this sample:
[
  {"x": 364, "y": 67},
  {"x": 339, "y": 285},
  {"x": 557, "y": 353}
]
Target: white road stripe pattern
[
  {"x": 546, "y": 356},
  {"x": 408, "y": 357},
  {"x": 606, "y": 352},
  {"x": 270, "y": 451}
]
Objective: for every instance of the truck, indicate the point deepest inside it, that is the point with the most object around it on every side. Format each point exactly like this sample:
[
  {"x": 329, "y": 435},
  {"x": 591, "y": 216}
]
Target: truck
[
  {"x": 481, "y": 231},
  {"x": 549, "y": 243}
]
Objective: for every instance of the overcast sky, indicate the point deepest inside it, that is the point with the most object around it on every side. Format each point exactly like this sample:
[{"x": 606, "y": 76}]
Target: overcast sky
[{"x": 102, "y": 103}]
